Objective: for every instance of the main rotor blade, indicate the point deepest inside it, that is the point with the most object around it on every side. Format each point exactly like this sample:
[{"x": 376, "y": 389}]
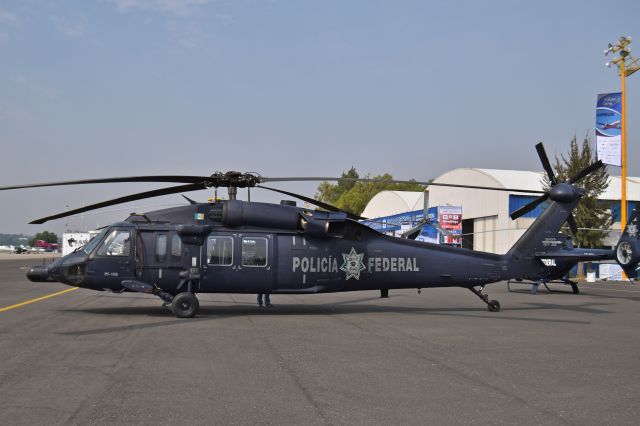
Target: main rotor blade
[
  {"x": 314, "y": 202},
  {"x": 586, "y": 171},
  {"x": 133, "y": 197},
  {"x": 412, "y": 234},
  {"x": 528, "y": 207},
  {"x": 215, "y": 181},
  {"x": 450, "y": 185},
  {"x": 545, "y": 163},
  {"x": 571, "y": 220},
  {"x": 159, "y": 178},
  {"x": 441, "y": 229}
]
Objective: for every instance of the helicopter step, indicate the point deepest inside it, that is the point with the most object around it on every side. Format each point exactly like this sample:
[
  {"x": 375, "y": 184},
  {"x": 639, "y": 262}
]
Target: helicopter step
[
  {"x": 142, "y": 287},
  {"x": 492, "y": 305}
]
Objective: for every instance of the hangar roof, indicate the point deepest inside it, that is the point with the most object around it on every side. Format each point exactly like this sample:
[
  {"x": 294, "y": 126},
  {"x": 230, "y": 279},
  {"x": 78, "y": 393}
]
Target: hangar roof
[
  {"x": 533, "y": 180},
  {"x": 521, "y": 179},
  {"x": 387, "y": 203}
]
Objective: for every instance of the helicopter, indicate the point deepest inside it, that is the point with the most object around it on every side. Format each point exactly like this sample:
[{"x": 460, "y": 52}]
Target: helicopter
[{"x": 235, "y": 246}]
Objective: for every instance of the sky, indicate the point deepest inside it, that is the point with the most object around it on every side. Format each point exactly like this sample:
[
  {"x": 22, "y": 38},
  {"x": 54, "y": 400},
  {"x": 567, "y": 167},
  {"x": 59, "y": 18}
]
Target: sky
[{"x": 107, "y": 88}]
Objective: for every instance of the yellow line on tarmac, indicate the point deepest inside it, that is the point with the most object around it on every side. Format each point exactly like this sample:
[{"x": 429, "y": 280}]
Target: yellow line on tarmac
[{"x": 17, "y": 305}]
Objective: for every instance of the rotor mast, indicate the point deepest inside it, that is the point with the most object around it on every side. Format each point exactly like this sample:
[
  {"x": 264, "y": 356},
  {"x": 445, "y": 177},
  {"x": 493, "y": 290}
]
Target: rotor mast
[{"x": 233, "y": 192}]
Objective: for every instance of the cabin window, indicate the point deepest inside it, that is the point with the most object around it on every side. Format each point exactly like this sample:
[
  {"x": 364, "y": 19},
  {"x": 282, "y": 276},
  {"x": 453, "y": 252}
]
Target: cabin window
[
  {"x": 161, "y": 247},
  {"x": 176, "y": 246},
  {"x": 117, "y": 243},
  {"x": 254, "y": 251},
  {"x": 220, "y": 250}
]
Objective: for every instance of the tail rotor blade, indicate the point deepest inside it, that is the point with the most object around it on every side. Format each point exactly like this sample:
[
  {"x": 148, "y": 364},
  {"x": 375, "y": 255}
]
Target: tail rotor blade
[
  {"x": 586, "y": 171},
  {"x": 545, "y": 163},
  {"x": 528, "y": 207},
  {"x": 571, "y": 220}
]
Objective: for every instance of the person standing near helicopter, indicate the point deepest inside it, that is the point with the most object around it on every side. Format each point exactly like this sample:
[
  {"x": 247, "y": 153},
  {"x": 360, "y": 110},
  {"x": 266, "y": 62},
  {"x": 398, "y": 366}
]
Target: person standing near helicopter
[{"x": 267, "y": 299}]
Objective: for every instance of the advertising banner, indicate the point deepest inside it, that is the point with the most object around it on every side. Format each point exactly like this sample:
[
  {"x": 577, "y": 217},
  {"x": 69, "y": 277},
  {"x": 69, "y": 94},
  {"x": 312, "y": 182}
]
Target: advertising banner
[
  {"x": 429, "y": 232},
  {"x": 450, "y": 218},
  {"x": 447, "y": 217},
  {"x": 609, "y": 128}
]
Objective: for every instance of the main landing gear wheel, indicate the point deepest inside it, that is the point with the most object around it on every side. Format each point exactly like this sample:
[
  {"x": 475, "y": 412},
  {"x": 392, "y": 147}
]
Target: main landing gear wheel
[
  {"x": 493, "y": 306},
  {"x": 185, "y": 305}
]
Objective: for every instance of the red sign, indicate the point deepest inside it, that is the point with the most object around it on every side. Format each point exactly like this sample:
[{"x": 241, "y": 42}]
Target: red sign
[{"x": 450, "y": 218}]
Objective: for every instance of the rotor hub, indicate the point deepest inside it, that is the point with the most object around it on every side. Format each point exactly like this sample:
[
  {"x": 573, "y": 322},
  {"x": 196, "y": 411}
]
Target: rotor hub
[
  {"x": 233, "y": 179},
  {"x": 563, "y": 193}
]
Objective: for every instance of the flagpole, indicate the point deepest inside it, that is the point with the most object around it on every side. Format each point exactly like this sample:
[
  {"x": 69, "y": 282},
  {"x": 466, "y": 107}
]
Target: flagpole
[{"x": 627, "y": 65}]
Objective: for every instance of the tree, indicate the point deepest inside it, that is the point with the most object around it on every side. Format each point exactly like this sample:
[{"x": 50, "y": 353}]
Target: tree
[
  {"x": 590, "y": 213},
  {"x": 330, "y": 193},
  {"x": 46, "y": 236},
  {"x": 354, "y": 196}
]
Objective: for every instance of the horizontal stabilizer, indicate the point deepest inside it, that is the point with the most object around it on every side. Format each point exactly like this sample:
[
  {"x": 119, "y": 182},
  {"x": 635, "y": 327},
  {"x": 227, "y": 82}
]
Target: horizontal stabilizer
[{"x": 577, "y": 255}]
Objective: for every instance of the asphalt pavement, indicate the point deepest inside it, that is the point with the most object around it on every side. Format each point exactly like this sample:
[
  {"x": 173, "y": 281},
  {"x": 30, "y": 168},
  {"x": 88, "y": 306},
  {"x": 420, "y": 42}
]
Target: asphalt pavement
[{"x": 439, "y": 357}]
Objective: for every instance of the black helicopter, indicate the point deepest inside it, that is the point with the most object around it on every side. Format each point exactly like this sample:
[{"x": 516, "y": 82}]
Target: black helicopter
[{"x": 249, "y": 247}]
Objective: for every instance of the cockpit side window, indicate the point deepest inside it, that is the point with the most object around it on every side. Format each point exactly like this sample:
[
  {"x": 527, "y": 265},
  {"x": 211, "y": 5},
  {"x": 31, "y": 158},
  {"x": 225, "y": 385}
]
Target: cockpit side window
[
  {"x": 93, "y": 243},
  {"x": 117, "y": 243}
]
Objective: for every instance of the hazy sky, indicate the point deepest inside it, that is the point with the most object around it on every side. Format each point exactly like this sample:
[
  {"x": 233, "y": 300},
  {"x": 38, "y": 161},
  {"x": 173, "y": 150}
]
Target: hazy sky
[{"x": 414, "y": 88}]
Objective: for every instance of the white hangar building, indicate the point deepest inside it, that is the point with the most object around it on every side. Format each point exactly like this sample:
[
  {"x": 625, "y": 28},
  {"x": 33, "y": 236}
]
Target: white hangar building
[{"x": 485, "y": 213}]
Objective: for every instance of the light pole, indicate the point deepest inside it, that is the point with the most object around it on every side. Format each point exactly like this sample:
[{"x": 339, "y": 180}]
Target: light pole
[{"x": 627, "y": 65}]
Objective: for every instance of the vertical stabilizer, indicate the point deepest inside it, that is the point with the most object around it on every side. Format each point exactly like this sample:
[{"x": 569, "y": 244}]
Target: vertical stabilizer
[{"x": 544, "y": 230}]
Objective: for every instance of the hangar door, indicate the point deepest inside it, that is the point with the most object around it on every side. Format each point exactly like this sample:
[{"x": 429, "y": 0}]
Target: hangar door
[{"x": 484, "y": 233}]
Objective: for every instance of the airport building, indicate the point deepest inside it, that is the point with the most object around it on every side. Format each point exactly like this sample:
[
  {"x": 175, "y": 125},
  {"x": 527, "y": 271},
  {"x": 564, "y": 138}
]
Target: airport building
[{"x": 486, "y": 224}]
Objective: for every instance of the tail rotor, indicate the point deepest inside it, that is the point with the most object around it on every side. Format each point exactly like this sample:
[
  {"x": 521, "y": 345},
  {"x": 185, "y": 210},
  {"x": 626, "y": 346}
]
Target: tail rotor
[
  {"x": 627, "y": 251},
  {"x": 557, "y": 191}
]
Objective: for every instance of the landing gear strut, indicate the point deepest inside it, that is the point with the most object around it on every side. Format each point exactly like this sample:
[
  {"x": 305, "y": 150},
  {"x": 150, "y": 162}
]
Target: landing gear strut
[
  {"x": 183, "y": 305},
  {"x": 186, "y": 304},
  {"x": 492, "y": 305}
]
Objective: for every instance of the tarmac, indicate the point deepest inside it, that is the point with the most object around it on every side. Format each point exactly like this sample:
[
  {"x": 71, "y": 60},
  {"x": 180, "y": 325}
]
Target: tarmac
[
  {"x": 439, "y": 357},
  {"x": 29, "y": 256}
]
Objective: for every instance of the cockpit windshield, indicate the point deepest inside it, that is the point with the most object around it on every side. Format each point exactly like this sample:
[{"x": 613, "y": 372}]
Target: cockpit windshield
[{"x": 88, "y": 248}]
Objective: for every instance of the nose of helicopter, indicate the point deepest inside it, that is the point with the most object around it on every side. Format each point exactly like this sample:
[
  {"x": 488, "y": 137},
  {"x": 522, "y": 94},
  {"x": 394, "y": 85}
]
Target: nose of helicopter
[{"x": 38, "y": 274}]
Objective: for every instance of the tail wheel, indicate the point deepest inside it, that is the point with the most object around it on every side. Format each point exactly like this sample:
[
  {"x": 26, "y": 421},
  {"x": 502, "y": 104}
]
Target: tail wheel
[
  {"x": 493, "y": 306},
  {"x": 185, "y": 305},
  {"x": 624, "y": 253}
]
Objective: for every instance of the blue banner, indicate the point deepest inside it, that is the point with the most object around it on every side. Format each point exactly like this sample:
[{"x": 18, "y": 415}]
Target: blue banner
[{"x": 609, "y": 128}]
